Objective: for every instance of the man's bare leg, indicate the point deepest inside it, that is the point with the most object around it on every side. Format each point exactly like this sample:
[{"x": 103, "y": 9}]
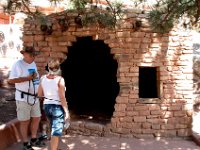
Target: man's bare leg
[
  {"x": 34, "y": 126},
  {"x": 24, "y": 127}
]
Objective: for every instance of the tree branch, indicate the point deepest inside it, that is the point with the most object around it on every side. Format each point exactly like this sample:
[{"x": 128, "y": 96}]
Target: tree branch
[
  {"x": 198, "y": 11},
  {"x": 170, "y": 10},
  {"x": 27, "y": 8}
]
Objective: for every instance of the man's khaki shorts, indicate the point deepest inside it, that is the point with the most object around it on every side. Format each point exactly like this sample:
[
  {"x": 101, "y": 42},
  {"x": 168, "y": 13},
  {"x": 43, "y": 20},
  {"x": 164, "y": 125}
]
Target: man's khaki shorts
[{"x": 26, "y": 111}]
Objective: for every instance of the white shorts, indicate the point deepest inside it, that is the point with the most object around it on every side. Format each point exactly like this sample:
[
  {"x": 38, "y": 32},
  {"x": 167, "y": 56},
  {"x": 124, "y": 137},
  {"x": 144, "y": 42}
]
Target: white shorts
[{"x": 26, "y": 111}]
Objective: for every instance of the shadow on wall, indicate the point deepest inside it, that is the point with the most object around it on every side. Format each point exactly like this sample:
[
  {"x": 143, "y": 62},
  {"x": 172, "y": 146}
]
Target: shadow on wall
[
  {"x": 90, "y": 75},
  {"x": 196, "y": 72},
  {"x": 6, "y": 90},
  {"x": 196, "y": 81},
  {"x": 4, "y": 73}
]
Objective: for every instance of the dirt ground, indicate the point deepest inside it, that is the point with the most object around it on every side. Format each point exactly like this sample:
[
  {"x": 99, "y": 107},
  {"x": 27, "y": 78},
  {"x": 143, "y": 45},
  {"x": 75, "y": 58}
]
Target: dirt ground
[{"x": 7, "y": 105}]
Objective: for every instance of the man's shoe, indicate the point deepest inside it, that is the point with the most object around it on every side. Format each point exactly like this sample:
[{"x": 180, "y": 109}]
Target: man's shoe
[
  {"x": 37, "y": 143},
  {"x": 27, "y": 147}
]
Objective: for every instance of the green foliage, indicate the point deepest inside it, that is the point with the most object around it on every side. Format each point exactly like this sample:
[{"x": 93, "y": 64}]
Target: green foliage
[
  {"x": 165, "y": 13},
  {"x": 168, "y": 12},
  {"x": 157, "y": 24},
  {"x": 79, "y": 5},
  {"x": 103, "y": 19},
  {"x": 55, "y": 2},
  {"x": 107, "y": 20},
  {"x": 42, "y": 19}
]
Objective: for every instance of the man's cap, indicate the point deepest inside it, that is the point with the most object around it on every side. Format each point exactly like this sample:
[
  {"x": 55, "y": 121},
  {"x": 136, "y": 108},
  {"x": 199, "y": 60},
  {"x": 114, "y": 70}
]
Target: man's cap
[{"x": 29, "y": 49}]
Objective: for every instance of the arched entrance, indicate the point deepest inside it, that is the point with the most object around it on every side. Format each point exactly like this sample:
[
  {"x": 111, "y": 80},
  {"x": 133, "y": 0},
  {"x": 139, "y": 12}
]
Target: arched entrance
[{"x": 91, "y": 82}]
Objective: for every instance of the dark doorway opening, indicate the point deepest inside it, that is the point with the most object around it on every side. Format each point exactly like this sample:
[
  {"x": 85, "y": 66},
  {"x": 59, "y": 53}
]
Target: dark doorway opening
[{"x": 91, "y": 82}]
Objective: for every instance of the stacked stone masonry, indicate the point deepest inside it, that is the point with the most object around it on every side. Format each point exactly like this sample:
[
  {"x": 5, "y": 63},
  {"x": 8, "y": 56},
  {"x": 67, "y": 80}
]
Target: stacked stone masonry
[{"x": 169, "y": 115}]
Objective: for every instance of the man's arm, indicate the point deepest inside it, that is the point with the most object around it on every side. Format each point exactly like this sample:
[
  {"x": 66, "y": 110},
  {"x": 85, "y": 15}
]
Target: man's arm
[{"x": 22, "y": 79}]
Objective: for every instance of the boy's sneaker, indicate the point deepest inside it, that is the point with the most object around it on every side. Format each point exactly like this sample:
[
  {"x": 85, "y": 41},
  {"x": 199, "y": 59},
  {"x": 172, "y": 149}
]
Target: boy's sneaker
[
  {"x": 43, "y": 137},
  {"x": 38, "y": 143},
  {"x": 27, "y": 147}
]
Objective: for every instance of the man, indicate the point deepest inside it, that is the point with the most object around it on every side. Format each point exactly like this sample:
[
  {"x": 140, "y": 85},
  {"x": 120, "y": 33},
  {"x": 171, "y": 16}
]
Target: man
[{"x": 26, "y": 79}]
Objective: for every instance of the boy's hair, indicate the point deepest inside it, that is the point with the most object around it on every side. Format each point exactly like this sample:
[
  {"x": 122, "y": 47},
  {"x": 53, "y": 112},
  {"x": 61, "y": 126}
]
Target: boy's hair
[
  {"x": 54, "y": 63},
  {"x": 54, "y": 66}
]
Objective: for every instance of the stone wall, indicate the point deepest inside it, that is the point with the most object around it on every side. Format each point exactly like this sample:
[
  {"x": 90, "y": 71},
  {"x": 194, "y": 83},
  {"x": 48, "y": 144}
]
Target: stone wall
[{"x": 169, "y": 115}]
